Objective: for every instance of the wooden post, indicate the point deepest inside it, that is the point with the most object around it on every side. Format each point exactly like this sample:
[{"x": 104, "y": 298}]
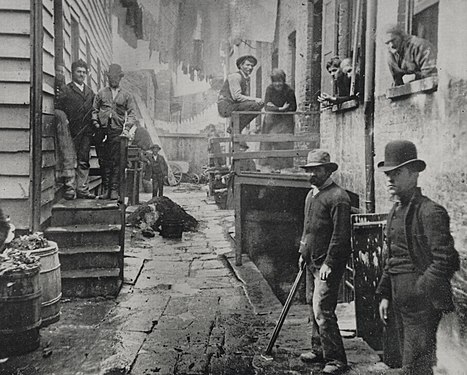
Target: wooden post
[
  {"x": 237, "y": 190},
  {"x": 122, "y": 194},
  {"x": 35, "y": 124}
]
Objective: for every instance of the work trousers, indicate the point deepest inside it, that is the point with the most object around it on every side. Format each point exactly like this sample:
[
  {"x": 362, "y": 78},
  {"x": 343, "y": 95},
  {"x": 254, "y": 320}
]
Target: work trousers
[
  {"x": 226, "y": 108},
  {"x": 322, "y": 298},
  {"x": 417, "y": 322},
  {"x": 82, "y": 144},
  {"x": 157, "y": 186},
  {"x": 108, "y": 153}
]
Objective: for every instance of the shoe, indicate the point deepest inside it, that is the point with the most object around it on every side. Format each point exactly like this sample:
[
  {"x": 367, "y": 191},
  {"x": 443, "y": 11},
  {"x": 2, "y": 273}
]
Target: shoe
[
  {"x": 69, "y": 195},
  {"x": 334, "y": 368},
  {"x": 85, "y": 196},
  {"x": 311, "y": 357}
]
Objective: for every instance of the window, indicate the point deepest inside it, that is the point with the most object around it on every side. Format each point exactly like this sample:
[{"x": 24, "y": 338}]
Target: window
[
  {"x": 420, "y": 18},
  {"x": 74, "y": 39}
]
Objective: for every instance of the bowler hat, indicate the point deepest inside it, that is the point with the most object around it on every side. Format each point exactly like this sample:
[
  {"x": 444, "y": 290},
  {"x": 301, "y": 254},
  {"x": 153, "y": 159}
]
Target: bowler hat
[
  {"x": 399, "y": 153},
  {"x": 115, "y": 70},
  {"x": 241, "y": 59},
  {"x": 155, "y": 146},
  {"x": 318, "y": 158}
]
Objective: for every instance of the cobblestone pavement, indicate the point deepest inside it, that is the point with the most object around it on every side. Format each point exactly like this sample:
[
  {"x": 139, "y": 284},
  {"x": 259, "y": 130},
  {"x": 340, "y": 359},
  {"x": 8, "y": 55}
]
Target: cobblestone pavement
[{"x": 185, "y": 309}]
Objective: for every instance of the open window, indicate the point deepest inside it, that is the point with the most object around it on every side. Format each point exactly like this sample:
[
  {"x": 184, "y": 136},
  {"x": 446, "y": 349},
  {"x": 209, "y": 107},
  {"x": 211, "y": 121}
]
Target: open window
[{"x": 419, "y": 18}]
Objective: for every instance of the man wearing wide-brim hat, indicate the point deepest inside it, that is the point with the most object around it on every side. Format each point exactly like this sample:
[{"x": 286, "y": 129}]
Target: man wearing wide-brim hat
[
  {"x": 235, "y": 93},
  {"x": 420, "y": 260},
  {"x": 114, "y": 115},
  {"x": 325, "y": 249}
]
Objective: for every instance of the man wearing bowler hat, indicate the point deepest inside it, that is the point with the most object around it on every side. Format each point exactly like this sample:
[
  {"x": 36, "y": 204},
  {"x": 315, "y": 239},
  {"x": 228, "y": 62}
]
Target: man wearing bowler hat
[
  {"x": 325, "y": 249},
  {"x": 114, "y": 115},
  {"x": 235, "y": 93},
  {"x": 420, "y": 260}
]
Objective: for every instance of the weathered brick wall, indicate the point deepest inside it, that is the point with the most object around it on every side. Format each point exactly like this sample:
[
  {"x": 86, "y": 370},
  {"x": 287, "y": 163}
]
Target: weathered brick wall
[{"x": 342, "y": 134}]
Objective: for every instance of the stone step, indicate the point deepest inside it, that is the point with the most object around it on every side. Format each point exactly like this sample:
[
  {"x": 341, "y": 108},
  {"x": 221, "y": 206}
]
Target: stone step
[
  {"x": 95, "y": 282},
  {"x": 84, "y": 235},
  {"x": 86, "y": 257},
  {"x": 83, "y": 211}
]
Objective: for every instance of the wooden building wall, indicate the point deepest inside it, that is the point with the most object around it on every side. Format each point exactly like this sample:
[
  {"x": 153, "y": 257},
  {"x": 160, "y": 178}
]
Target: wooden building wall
[{"x": 17, "y": 93}]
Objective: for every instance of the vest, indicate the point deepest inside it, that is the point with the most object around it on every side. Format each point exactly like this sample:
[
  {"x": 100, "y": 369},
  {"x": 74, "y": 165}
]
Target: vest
[{"x": 224, "y": 93}]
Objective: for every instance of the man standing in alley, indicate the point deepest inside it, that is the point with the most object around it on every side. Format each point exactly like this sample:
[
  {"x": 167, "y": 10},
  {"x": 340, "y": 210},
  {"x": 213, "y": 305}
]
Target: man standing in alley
[
  {"x": 114, "y": 115},
  {"x": 157, "y": 170},
  {"x": 409, "y": 55},
  {"x": 75, "y": 100},
  {"x": 325, "y": 249},
  {"x": 235, "y": 93},
  {"x": 420, "y": 260}
]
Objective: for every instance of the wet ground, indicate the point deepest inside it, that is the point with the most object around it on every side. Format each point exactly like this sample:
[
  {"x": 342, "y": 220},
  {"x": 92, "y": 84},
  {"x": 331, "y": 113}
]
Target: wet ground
[{"x": 185, "y": 308}]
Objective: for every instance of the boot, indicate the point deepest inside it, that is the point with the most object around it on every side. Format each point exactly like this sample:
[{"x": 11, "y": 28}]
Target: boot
[
  {"x": 69, "y": 184},
  {"x": 105, "y": 184},
  {"x": 114, "y": 185}
]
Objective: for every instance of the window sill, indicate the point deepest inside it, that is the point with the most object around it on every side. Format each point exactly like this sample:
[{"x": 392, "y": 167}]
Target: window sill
[
  {"x": 428, "y": 84},
  {"x": 345, "y": 106}
]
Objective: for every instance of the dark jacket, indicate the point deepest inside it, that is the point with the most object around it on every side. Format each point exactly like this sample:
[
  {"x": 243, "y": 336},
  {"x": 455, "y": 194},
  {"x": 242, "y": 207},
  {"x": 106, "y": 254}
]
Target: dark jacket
[
  {"x": 77, "y": 106},
  {"x": 326, "y": 230},
  {"x": 157, "y": 169},
  {"x": 416, "y": 56},
  {"x": 431, "y": 248}
]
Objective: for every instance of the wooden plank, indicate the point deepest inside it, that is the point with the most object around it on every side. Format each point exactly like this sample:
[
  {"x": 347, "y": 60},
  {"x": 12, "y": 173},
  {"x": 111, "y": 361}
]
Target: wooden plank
[
  {"x": 48, "y": 125},
  {"x": 48, "y": 44},
  {"x": 14, "y": 187},
  {"x": 48, "y": 178},
  {"x": 18, "y": 46},
  {"x": 48, "y": 143},
  {"x": 14, "y": 117},
  {"x": 238, "y": 222},
  {"x": 308, "y": 137},
  {"x": 249, "y": 179},
  {"x": 13, "y": 140},
  {"x": 19, "y": 211},
  {"x": 14, "y": 93},
  {"x": 48, "y": 6},
  {"x": 12, "y": 5},
  {"x": 46, "y": 212},
  {"x": 48, "y": 104},
  {"x": 14, "y": 22},
  {"x": 48, "y": 159},
  {"x": 268, "y": 154},
  {"x": 14, "y": 164},
  {"x": 18, "y": 76},
  {"x": 47, "y": 195}
]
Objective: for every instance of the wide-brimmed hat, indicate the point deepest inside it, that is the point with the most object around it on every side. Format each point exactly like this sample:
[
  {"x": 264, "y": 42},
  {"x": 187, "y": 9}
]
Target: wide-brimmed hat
[
  {"x": 115, "y": 70},
  {"x": 241, "y": 59},
  {"x": 243, "y": 145},
  {"x": 318, "y": 158},
  {"x": 155, "y": 146},
  {"x": 399, "y": 153}
]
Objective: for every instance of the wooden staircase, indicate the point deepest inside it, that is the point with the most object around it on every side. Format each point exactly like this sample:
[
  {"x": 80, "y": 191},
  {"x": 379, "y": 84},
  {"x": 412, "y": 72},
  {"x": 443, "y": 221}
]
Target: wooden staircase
[{"x": 90, "y": 238}]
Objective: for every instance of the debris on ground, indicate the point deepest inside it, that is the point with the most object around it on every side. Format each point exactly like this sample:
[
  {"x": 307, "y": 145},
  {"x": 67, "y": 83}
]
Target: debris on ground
[
  {"x": 29, "y": 242},
  {"x": 152, "y": 213}
]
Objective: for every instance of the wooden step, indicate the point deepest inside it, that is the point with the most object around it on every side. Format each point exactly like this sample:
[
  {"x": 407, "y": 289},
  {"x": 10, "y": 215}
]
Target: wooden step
[
  {"x": 84, "y": 211},
  {"x": 87, "y": 257},
  {"x": 93, "y": 282},
  {"x": 84, "y": 235}
]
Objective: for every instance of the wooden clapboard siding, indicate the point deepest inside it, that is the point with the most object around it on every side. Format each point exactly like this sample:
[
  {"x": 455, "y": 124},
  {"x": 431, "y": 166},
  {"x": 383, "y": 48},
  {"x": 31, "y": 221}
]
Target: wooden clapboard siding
[
  {"x": 14, "y": 164},
  {"x": 14, "y": 187},
  {"x": 14, "y": 116},
  {"x": 18, "y": 210}
]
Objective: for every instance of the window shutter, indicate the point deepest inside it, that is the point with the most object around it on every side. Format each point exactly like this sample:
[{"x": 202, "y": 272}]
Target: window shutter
[{"x": 329, "y": 47}]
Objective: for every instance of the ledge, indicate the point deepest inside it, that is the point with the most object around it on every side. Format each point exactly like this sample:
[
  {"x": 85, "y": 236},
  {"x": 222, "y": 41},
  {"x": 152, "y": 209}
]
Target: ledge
[
  {"x": 345, "y": 106},
  {"x": 428, "y": 84}
]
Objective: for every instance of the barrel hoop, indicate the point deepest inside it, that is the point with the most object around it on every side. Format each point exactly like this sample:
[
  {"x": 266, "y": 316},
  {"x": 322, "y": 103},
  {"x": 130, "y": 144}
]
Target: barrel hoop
[
  {"x": 22, "y": 329},
  {"x": 24, "y": 297},
  {"x": 50, "y": 269},
  {"x": 52, "y": 301}
]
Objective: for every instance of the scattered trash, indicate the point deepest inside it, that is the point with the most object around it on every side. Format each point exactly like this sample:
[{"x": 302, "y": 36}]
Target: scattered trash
[
  {"x": 12, "y": 260},
  {"x": 29, "y": 242}
]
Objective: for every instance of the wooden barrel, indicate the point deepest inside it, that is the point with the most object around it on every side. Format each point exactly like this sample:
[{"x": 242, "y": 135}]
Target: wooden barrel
[
  {"x": 172, "y": 228},
  {"x": 20, "y": 312},
  {"x": 51, "y": 282}
]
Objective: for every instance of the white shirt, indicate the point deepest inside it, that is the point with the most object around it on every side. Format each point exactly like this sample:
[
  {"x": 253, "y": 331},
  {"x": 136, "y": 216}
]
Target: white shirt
[
  {"x": 114, "y": 92},
  {"x": 81, "y": 87}
]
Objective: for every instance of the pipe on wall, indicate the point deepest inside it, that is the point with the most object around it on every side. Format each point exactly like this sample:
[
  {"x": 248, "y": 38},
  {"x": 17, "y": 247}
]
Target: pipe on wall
[{"x": 369, "y": 105}]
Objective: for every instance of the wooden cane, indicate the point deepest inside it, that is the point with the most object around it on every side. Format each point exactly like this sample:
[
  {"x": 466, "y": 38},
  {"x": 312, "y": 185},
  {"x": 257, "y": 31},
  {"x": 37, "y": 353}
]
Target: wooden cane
[{"x": 285, "y": 310}]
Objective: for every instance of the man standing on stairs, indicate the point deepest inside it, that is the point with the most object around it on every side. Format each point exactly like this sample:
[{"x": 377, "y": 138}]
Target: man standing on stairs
[
  {"x": 114, "y": 115},
  {"x": 76, "y": 102}
]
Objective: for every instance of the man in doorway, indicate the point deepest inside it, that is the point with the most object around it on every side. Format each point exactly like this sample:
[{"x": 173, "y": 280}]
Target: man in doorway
[
  {"x": 235, "y": 93},
  {"x": 420, "y": 260},
  {"x": 75, "y": 100},
  {"x": 114, "y": 114},
  {"x": 409, "y": 55},
  {"x": 325, "y": 249}
]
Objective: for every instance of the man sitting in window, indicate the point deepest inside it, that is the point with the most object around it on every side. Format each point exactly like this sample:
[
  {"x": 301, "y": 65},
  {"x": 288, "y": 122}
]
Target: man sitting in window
[
  {"x": 341, "y": 72},
  {"x": 409, "y": 55}
]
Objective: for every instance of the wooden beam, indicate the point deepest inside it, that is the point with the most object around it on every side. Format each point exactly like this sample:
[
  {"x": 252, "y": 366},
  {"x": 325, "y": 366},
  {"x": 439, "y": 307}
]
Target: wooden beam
[
  {"x": 308, "y": 137},
  {"x": 269, "y": 154}
]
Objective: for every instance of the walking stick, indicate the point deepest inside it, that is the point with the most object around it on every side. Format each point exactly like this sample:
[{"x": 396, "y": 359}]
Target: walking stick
[{"x": 285, "y": 310}]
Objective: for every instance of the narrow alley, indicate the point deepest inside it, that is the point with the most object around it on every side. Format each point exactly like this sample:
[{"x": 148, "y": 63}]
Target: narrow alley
[{"x": 185, "y": 308}]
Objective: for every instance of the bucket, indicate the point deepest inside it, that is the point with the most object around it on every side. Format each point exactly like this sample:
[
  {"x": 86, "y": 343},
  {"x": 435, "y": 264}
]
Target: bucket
[
  {"x": 20, "y": 312},
  {"x": 51, "y": 283},
  {"x": 172, "y": 228}
]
